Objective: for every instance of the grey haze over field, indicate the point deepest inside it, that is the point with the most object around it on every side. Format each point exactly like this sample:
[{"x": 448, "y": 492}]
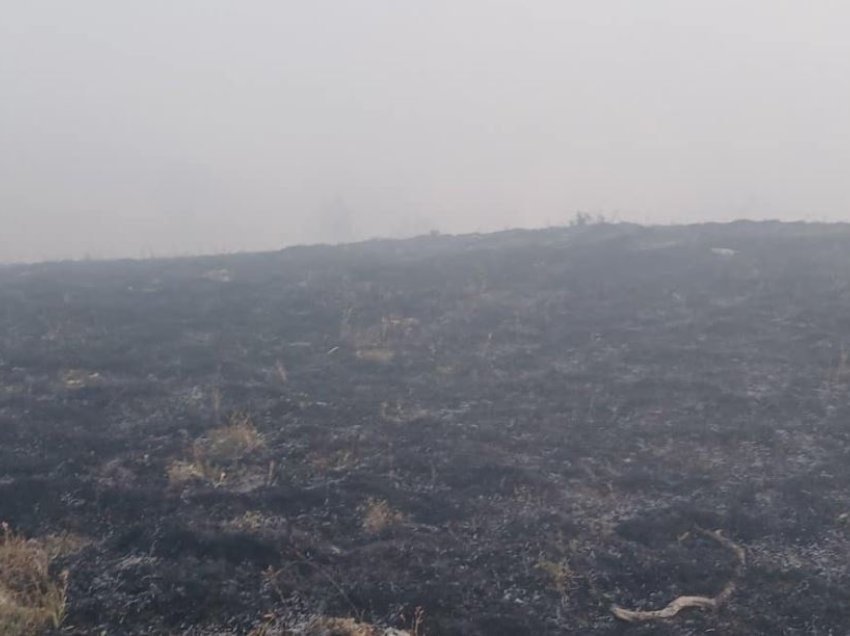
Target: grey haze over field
[{"x": 184, "y": 126}]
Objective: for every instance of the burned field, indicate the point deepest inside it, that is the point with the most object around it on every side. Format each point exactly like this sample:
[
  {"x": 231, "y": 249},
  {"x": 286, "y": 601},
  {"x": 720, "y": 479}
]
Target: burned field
[{"x": 512, "y": 432}]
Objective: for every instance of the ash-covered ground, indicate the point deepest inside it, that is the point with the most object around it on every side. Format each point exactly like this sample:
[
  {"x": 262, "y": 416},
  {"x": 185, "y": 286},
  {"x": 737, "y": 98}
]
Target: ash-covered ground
[{"x": 512, "y": 432}]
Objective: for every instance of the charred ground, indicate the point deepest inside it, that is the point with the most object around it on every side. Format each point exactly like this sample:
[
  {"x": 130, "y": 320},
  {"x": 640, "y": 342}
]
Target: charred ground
[{"x": 512, "y": 431}]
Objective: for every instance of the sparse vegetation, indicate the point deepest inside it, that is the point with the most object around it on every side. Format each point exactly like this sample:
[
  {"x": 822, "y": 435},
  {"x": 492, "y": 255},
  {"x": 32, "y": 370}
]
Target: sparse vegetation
[
  {"x": 327, "y": 626},
  {"x": 336, "y": 461},
  {"x": 32, "y": 597},
  {"x": 229, "y": 444},
  {"x": 378, "y": 515},
  {"x": 221, "y": 450},
  {"x": 400, "y": 412},
  {"x": 559, "y": 573},
  {"x": 560, "y": 406},
  {"x": 378, "y": 341},
  {"x": 181, "y": 471},
  {"x": 340, "y": 627},
  {"x": 250, "y": 521}
]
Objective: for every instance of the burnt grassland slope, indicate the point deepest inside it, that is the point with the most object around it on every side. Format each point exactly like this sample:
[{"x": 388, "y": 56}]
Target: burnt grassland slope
[{"x": 513, "y": 432}]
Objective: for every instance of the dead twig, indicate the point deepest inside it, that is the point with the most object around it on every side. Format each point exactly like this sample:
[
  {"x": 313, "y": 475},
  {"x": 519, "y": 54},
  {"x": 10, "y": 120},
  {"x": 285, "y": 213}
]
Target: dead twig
[{"x": 685, "y": 602}]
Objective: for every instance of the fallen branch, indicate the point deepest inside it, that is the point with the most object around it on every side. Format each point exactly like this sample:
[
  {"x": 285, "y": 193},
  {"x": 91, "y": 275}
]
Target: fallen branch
[
  {"x": 685, "y": 602},
  {"x": 680, "y": 603}
]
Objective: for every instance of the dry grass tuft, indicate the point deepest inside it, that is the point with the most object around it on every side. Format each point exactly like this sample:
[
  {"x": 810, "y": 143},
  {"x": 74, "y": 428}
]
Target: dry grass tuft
[
  {"x": 274, "y": 625},
  {"x": 560, "y": 574},
  {"x": 181, "y": 472},
  {"x": 64, "y": 544},
  {"x": 401, "y": 413},
  {"x": 378, "y": 515},
  {"x": 217, "y": 452},
  {"x": 340, "y": 460},
  {"x": 229, "y": 444},
  {"x": 31, "y": 600},
  {"x": 340, "y": 627},
  {"x": 251, "y": 521},
  {"x": 324, "y": 626}
]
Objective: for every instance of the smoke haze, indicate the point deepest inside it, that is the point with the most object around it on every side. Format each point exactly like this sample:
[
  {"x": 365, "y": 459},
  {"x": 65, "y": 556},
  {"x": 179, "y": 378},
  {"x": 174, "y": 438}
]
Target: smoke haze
[{"x": 184, "y": 126}]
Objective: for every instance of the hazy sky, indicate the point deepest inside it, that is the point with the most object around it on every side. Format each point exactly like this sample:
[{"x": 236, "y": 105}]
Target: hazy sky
[{"x": 131, "y": 127}]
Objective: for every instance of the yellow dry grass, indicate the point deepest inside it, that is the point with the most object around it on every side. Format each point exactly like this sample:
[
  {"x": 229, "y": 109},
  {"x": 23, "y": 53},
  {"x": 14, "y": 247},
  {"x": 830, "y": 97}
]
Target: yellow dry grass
[
  {"x": 31, "y": 599},
  {"x": 272, "y": 625},
  {"x": 217, "y": 452},
  {"x": 378, "y": 515},
  {"x": 229, "y": 444},
  {"x": 559, "y": 573},
  {"x": 340, "y": 627},
  {"x": 180, "y": 472}
]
